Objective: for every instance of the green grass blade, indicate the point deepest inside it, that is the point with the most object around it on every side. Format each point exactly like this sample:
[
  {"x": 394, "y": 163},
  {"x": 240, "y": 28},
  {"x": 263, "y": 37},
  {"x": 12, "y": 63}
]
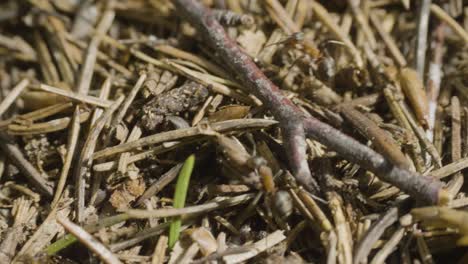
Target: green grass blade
[{"x": 180, "y": 195}]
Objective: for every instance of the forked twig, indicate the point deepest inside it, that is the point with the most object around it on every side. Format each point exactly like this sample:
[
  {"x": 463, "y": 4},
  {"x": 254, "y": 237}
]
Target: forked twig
[{"x": 295, "y": 126}]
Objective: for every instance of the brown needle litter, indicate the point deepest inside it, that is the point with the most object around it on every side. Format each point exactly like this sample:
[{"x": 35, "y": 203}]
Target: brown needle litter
[{"x": 319, "y": 127}]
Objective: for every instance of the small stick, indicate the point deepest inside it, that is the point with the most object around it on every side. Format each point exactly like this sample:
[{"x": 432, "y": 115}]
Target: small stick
[
  {"x": 101, "y": 56},
  {"x": 46, "y": 127},
  {"x": 87, "y": 71},
  {"x": 323, "y": 15},
  {"x": 71, "y": 145},
  {"x": 47, "y": 67},
  {"x": 69, "y": 239},
  {"x": 342, "y": 227},
  {"x": 16, "y": 157},
  {"x": 218, "y": 203},
  {"x": 224, "y": 126},
  {"x": 388, "y": 40},
  {"x": 362, "y": 22},
  {"x": 465, "y": 143},
  {"x": 443, "y": 16},
  {"x": 434, "y": 79},
  {"x": 127, "y": 102},
  {"x": 455, "y": 184},
  {"x": 450, "y": 169},
  {"x": 160, "y": 251},
  {"x": 11, "y": 97},
  {"x": 315, "y": 210},
  {"x": 103, "y": 95},
  {"x": 423, "y": 250},
  {"x": 175, "y": 52},
  {"x": 389, "y": 246},
  {"x": 162, "y": 182},
  {"x": 89, "y": 241},
  {"x": 366, "y": 243},
  {"x": 439, "y": 128},
  {"x": 430, "y": 148},
  {"x": 384, "y": 143},
  {"x": 421, "y": 41},
  {"x": 124, "y": 157},
  {"x": 398, "y": 114},
  {"x": 281, "y": 17},
  {"x": 45, "y": 112},
  {"x": 144, "y": 234},
  {"x": 110, "y": 165},
  {"x": 75, "y": 96},
  {"x": 85, "y": 161},
  {"x": 258, "y": 247}
]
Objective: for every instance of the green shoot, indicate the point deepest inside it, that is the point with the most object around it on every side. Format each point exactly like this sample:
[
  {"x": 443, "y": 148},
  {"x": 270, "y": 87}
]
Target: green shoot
[{"x": 179, "y": 198}]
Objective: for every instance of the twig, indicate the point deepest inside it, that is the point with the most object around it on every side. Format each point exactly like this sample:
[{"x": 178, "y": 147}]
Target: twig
[
  {"x": 257, "y": 248},
  {"x": 450, "y": 169},
  {"x": 325, "y": 18},
  {"x": 127, "y": 102},
  {"x": 373, "y": 234},
  {"x": 11, "y": 97},
  {"x": 389, "y": 246},
  {"x": 281, "y": 16},
  {"x": 434, "y": 79},
  {"x": 381, "y": 139},
  {"x": 103, "y": 95},
  {"x": 89, "y": 241},
  {"x": 421, "y": 41},
  {"x": 224, "y": 126},
  {"x": 16, "y": 157},
  {"x": 342, "y": 228},
  {"x": 71, "y": 145},
  {"x": 45, "y": 127},
  {"x": 362, "y": 22},
  {"x": 443, "y": 16},
  {"x": 144, "y": 234},
  {"x": 397, "y": 112},
  {"x": 160, "y": 251},
  {"x": 85, "y": 161},
  {"x": 220, "y": 202},
  {"x": 388, "y": 40},
  {"x": 75, "y": 96},
  {"x": 175, "y": 52},
  {"x": 292, "y": 121},
  {"x": 455, "y": 184},
  {"x": 430, "y": 148},
  {"x": 163, "y": 181},
  {"x": 69, "y": 239},
  {"x": 86, "y": 75}
]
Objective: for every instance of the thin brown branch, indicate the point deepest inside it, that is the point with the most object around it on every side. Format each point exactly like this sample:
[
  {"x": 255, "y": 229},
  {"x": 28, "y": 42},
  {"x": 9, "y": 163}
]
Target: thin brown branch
[
  {"x": 366, "y": 243},
  {"x": 86, "y": 75},
  {"x": 421, "y": 42},
  {"x": 85, "y": 161},
  {"x": 11, "y": 97},
  {"x": 384, "y": 143},
  {"x": 89, "y": 241},
  {"x": 15, "y": 155},
  {"x": 292, "y": 121},
  {"x": 71, "y": 145}
]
